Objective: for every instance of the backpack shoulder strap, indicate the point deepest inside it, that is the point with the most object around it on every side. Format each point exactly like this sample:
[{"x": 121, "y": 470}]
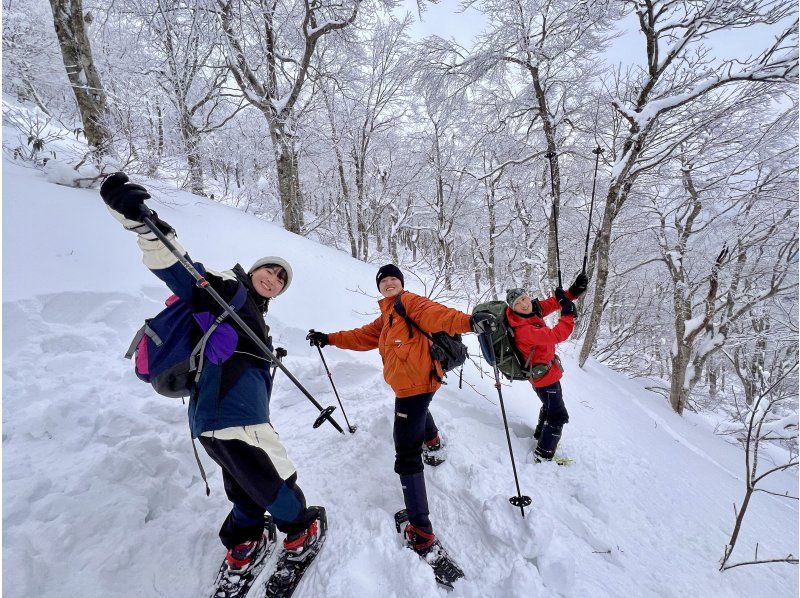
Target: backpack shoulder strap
[
  {"x": 400, "y": 309},
  {"x": 198, "y": 353},
  {"x": 135, "y": 342}
]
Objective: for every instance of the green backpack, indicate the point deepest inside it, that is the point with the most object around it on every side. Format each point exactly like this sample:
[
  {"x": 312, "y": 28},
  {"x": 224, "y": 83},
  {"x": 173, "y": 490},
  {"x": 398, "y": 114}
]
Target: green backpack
[{"x": 509, "y": 361}]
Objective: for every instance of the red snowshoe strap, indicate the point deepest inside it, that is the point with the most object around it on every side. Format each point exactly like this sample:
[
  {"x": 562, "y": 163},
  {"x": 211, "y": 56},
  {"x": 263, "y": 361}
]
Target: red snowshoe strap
[
  {"x": 240, "y": 555},
  {"x": 418, "y": 538},
  {"x": 434, "y": 441},
  {"x": 296, "y": 543}
]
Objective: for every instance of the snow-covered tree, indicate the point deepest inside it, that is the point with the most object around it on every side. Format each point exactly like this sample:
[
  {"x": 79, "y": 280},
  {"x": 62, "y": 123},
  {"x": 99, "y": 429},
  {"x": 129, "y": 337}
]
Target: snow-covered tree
[
  {"x": 658, "y": 102},
  {"x": 270, "y": 48},
  {"x": 71, "y": 23}
]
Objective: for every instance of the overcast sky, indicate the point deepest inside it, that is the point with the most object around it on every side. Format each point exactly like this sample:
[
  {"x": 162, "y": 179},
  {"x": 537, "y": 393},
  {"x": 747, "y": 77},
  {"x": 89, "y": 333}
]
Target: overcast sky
[{"x": 445, "y": 20}]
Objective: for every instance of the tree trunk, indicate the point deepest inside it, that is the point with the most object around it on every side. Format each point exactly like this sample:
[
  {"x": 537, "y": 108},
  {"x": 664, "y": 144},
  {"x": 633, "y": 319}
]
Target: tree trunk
[
  {"x": 713, "y": 381},
  {"x": 738, "y": 526},
  {"x": 286, "y": 166},
  {"x": 603, "y": 244},
  {"x": 76, "y": 52},
  {"x": 678, "y": 391},
  {"x": 549, "y": 129},
  {"x": 191, "y": 143},
  {"x": 393, "y": 242},
  {"x": 491, "y": 275},
  {"x": 195, "y": 170},
  {"x": 552, "y": 239}
]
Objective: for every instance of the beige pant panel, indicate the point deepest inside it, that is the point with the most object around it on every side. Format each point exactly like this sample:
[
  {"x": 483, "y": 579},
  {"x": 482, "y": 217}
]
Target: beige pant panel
[{"x": 262, "y": 436}]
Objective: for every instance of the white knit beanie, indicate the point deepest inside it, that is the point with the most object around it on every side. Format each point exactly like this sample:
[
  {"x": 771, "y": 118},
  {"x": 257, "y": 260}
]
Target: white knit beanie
[{"x": 277, "y": 261}]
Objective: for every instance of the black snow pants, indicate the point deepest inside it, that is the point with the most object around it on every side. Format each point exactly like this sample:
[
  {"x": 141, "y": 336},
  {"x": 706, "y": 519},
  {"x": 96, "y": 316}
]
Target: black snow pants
[
  {"x": 258, "y": 477},
  {"x": 552, "y": 417},
  {"x": 413, "y": 425}
]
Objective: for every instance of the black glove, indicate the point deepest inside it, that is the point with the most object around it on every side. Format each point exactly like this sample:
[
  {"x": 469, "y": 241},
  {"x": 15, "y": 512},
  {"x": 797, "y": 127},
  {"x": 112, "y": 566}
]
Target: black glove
[
  {"x": 320, "y": 339},
  {"x": 578, "y": 287},
  {"x": 560, "y": 295},
  {"x": 125, "y": 197},
  {"x": 280, "y": 352},
  {"x": 567, "y": 308},
  {"x": 482, "y": 322},
  {"x": 536, "y": 307}
]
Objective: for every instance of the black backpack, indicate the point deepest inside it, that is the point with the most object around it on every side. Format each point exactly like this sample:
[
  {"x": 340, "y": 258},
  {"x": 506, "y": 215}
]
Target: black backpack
[{"x": 447, "y": 349}]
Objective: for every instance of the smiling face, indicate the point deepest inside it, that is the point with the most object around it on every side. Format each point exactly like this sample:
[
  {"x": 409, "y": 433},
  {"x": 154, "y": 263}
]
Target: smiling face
[
  {"x": 523, "y": 305},
  {"x": 268, "y": 281},
  {"x": 390, "y": 286}
]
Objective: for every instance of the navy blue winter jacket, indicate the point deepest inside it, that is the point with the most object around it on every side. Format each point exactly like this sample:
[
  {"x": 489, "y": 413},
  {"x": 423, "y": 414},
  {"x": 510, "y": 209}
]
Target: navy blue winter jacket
[{"x": 236, "y": 391}]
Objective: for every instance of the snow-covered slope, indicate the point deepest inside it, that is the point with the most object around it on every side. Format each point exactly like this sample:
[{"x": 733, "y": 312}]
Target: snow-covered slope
[{"x": 102, "y": 496}]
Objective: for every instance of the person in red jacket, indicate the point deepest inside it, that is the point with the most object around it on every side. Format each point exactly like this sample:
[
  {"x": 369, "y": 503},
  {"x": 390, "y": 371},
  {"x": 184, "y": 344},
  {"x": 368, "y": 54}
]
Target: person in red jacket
[
  {"x": 409, "y": 370},
  {"x": 536, "y": 343}
]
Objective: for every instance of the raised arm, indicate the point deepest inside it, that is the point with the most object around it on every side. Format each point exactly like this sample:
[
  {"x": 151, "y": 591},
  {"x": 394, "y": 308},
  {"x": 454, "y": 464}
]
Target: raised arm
[
  {"x": 434, "y": 317},
  {"x": 359, "y": 339},
  {"x": 125, "y": 201}
]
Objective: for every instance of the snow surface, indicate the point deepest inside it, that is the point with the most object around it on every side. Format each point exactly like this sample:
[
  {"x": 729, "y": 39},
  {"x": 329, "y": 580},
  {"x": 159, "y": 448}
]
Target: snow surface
[{"x": 102, "y": 496}]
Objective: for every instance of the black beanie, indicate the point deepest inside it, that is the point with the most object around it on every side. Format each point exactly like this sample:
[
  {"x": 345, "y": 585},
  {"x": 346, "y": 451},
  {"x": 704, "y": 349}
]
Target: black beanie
[{"x": 389, "y": 270}]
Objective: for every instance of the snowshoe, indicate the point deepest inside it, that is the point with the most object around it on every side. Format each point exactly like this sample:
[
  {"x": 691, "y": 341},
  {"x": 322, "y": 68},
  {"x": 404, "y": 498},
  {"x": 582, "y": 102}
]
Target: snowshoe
[
  {"x": 432, "y": 452},
  {"x": 296, "y": 557},
  {"x": 558, "y": 460},
  {"x": 430, "y": 550},
  {"x": 244, "y": 563}
]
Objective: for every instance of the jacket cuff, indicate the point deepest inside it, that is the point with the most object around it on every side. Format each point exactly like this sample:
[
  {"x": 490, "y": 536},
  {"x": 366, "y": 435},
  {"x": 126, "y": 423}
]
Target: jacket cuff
[
  {"x": 465, "y": 327},
  {"x": 155, "y": 254},
  {"x": 570, "y": 296},
  {"x": 333, "y": 337}
]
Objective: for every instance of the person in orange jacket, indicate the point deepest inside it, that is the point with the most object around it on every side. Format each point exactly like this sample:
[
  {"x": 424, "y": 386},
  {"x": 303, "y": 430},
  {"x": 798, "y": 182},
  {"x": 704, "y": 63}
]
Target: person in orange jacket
[
  {"x": 409, "y": 370},
  {"x": 536, "y": 343}
]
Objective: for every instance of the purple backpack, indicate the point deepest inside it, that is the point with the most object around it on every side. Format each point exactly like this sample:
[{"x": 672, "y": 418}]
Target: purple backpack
[{"x": 167, "y": 353}]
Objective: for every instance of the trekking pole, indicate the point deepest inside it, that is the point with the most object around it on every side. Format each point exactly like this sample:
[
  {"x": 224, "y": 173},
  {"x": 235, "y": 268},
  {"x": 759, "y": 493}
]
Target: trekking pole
[
  {"x": 551, "y": 156},
  {"x": 325, "y": 412},
  {"x": 520, "y": 500},
  {"x": 596, "y": 151},
  {"x": 351, "y": 428}
]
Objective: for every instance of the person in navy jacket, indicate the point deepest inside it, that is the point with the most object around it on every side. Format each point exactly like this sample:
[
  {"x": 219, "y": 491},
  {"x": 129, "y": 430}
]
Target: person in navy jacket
[{"x": 229, "y": 405}]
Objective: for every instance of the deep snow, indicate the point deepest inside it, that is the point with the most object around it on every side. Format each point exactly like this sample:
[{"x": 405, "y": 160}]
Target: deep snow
[{"x": 102, "y": 496}]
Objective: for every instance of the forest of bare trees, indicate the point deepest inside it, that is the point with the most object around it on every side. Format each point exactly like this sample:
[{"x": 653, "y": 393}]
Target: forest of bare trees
[{"x": 460, "y": 161}]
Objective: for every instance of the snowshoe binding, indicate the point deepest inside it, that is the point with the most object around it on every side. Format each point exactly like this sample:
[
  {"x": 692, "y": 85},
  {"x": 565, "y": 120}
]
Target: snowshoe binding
[
  {"x": 557, "y": 459},
  {"x": 430, "y": 550},
  {"x": 296, "y": 556},
  {"x": 432, "y": 452},
  {"x": 244, "y": 563}
]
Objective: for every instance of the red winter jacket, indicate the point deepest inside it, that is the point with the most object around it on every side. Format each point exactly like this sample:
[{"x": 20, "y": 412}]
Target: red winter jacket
[{"x": 533, "y": 336}]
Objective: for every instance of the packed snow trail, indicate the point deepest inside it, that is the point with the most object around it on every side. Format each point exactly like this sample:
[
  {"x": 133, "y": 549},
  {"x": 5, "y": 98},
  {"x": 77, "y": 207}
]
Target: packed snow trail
[{"x": 103, "y": 498}]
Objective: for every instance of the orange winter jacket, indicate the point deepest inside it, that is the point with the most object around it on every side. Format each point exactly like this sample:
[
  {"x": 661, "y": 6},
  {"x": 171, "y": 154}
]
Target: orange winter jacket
[{"x": 407, "y": 363}]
